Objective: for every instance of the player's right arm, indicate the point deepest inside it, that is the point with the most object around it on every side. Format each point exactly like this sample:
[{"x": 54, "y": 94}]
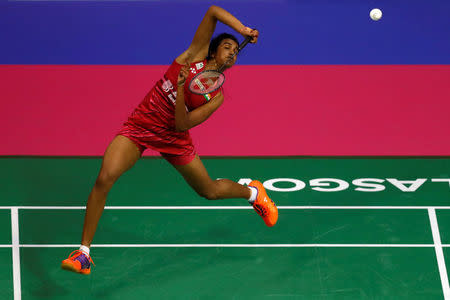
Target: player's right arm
[{"x": 198, "y": 49}]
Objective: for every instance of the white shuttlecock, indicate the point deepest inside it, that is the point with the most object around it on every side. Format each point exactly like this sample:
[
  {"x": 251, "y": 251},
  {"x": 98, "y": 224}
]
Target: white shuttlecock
[{"x": 376, "y": 14}]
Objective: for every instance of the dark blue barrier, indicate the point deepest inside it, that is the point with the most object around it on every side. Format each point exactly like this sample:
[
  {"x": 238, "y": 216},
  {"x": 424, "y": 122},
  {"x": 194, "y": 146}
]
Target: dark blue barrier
[{"x": 292, "y": 32}]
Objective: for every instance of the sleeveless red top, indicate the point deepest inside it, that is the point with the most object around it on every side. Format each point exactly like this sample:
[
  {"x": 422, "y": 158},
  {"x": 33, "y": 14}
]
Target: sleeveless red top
[{"x": 152, "y": 123}]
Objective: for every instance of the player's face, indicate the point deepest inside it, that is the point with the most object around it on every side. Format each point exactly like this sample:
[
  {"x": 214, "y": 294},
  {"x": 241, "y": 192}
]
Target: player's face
[{"x": 225, "y": 51}]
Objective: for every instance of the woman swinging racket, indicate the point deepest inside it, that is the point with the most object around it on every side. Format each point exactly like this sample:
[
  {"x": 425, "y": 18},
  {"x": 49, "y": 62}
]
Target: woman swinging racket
[{"x": 161, "y": 122}]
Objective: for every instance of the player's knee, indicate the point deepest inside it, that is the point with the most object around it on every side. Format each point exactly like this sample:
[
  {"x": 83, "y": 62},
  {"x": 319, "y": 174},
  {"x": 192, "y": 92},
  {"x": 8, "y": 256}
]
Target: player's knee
[
  {"x": 209, "y": 193},
  {"x": 105, "y": 179}
]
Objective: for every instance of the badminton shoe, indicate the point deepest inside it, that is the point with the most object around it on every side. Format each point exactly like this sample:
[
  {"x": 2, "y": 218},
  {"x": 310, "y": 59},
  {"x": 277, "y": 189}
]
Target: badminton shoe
[
  {"x": 78, "y": 262},
  {"x": 263, "y": 205}
]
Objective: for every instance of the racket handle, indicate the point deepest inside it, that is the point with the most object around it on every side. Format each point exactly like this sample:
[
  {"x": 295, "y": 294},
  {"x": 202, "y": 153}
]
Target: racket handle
[{"x": 244, "y": 43}]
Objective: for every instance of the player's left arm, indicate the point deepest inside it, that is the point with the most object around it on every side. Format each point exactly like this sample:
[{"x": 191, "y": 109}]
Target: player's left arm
[{"x": 186, "y": 120}]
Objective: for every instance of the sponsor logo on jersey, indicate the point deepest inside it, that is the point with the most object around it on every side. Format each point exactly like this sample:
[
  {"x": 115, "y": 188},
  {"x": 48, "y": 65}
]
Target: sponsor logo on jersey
[
  {"x": 199, "y": 65},
  {"x": 167, "y": 86},
  {"x": 193, "y": 71}
]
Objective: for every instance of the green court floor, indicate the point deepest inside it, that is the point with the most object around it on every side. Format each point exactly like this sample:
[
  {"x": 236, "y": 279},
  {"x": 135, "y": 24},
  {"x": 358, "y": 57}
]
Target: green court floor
[{"x": 348, "y": 228}]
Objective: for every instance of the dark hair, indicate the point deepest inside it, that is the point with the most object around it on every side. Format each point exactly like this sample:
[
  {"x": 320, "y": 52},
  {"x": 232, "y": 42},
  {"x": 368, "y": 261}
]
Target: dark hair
[{"x": 215, "y": 42}]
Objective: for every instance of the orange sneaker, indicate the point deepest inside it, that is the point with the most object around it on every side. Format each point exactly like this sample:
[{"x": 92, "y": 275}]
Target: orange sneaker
[
  {"x": 263, "y": 205},
  {"x": 78, "y": 262}
]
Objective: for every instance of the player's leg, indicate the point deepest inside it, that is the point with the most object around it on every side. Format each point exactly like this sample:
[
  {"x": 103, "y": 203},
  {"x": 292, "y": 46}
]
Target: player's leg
[
  {"x": 119, "y": 157},
  {"x": 198, "y": 178}
]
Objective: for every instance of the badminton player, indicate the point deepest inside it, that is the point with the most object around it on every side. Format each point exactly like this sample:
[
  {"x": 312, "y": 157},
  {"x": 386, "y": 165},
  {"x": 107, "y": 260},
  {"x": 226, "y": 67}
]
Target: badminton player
[{"x": 162, "y": 121}]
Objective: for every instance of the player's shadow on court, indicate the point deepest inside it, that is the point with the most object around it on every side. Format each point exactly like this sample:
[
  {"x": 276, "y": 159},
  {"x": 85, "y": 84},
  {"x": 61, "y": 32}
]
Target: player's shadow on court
[
  {"x": 162, "y": 272},
  {"x": 43, "y": 283},
  {"x": 44, "y": 278}
]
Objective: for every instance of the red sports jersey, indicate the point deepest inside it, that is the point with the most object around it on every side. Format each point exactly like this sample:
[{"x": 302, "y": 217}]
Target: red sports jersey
[{"x": 152, "y": 123}]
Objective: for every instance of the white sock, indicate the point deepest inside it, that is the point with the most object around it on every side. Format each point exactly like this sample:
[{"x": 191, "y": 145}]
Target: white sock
[
  {"x": 85, "y": 249},
  {"x": 253, "y": 195}
]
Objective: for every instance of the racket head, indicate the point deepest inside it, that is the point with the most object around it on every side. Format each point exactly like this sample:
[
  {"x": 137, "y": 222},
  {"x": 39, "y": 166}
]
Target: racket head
[{"x": 206, "y": 82}]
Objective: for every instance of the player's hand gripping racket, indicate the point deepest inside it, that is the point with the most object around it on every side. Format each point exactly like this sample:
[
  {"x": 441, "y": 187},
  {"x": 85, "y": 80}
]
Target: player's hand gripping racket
[{"x": 208, "y": 81}]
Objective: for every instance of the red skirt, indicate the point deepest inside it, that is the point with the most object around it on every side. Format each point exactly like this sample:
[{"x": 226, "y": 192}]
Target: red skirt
[{"x": 175, "y": 147}]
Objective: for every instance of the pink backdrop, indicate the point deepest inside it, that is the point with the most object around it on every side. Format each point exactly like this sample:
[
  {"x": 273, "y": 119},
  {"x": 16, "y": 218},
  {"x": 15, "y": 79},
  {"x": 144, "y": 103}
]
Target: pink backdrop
[{"x": 268, "y": 110}]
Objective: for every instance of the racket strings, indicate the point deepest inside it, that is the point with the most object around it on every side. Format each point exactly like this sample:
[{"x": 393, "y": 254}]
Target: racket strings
[{"x": 206, "y": 82}]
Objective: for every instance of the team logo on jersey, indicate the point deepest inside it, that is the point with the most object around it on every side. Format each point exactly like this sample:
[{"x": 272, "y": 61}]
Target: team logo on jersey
[{"x": 199, "y": 65}]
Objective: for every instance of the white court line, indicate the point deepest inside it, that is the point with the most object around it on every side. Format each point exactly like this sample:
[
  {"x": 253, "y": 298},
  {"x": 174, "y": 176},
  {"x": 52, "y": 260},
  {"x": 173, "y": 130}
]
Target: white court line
[
  {"x": 234, "y": 245},
  {"x": 223, "y": 207},
  {"x": 439, "y": 253},
  {"x": 431, "y": 209},
  {"x": 16, "y": 253},
  {"x": 257, "y": 245}
]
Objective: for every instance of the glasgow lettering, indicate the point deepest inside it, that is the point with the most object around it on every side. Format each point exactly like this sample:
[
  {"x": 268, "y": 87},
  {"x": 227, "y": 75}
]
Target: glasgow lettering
[{"x": 368, "y": 185}]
